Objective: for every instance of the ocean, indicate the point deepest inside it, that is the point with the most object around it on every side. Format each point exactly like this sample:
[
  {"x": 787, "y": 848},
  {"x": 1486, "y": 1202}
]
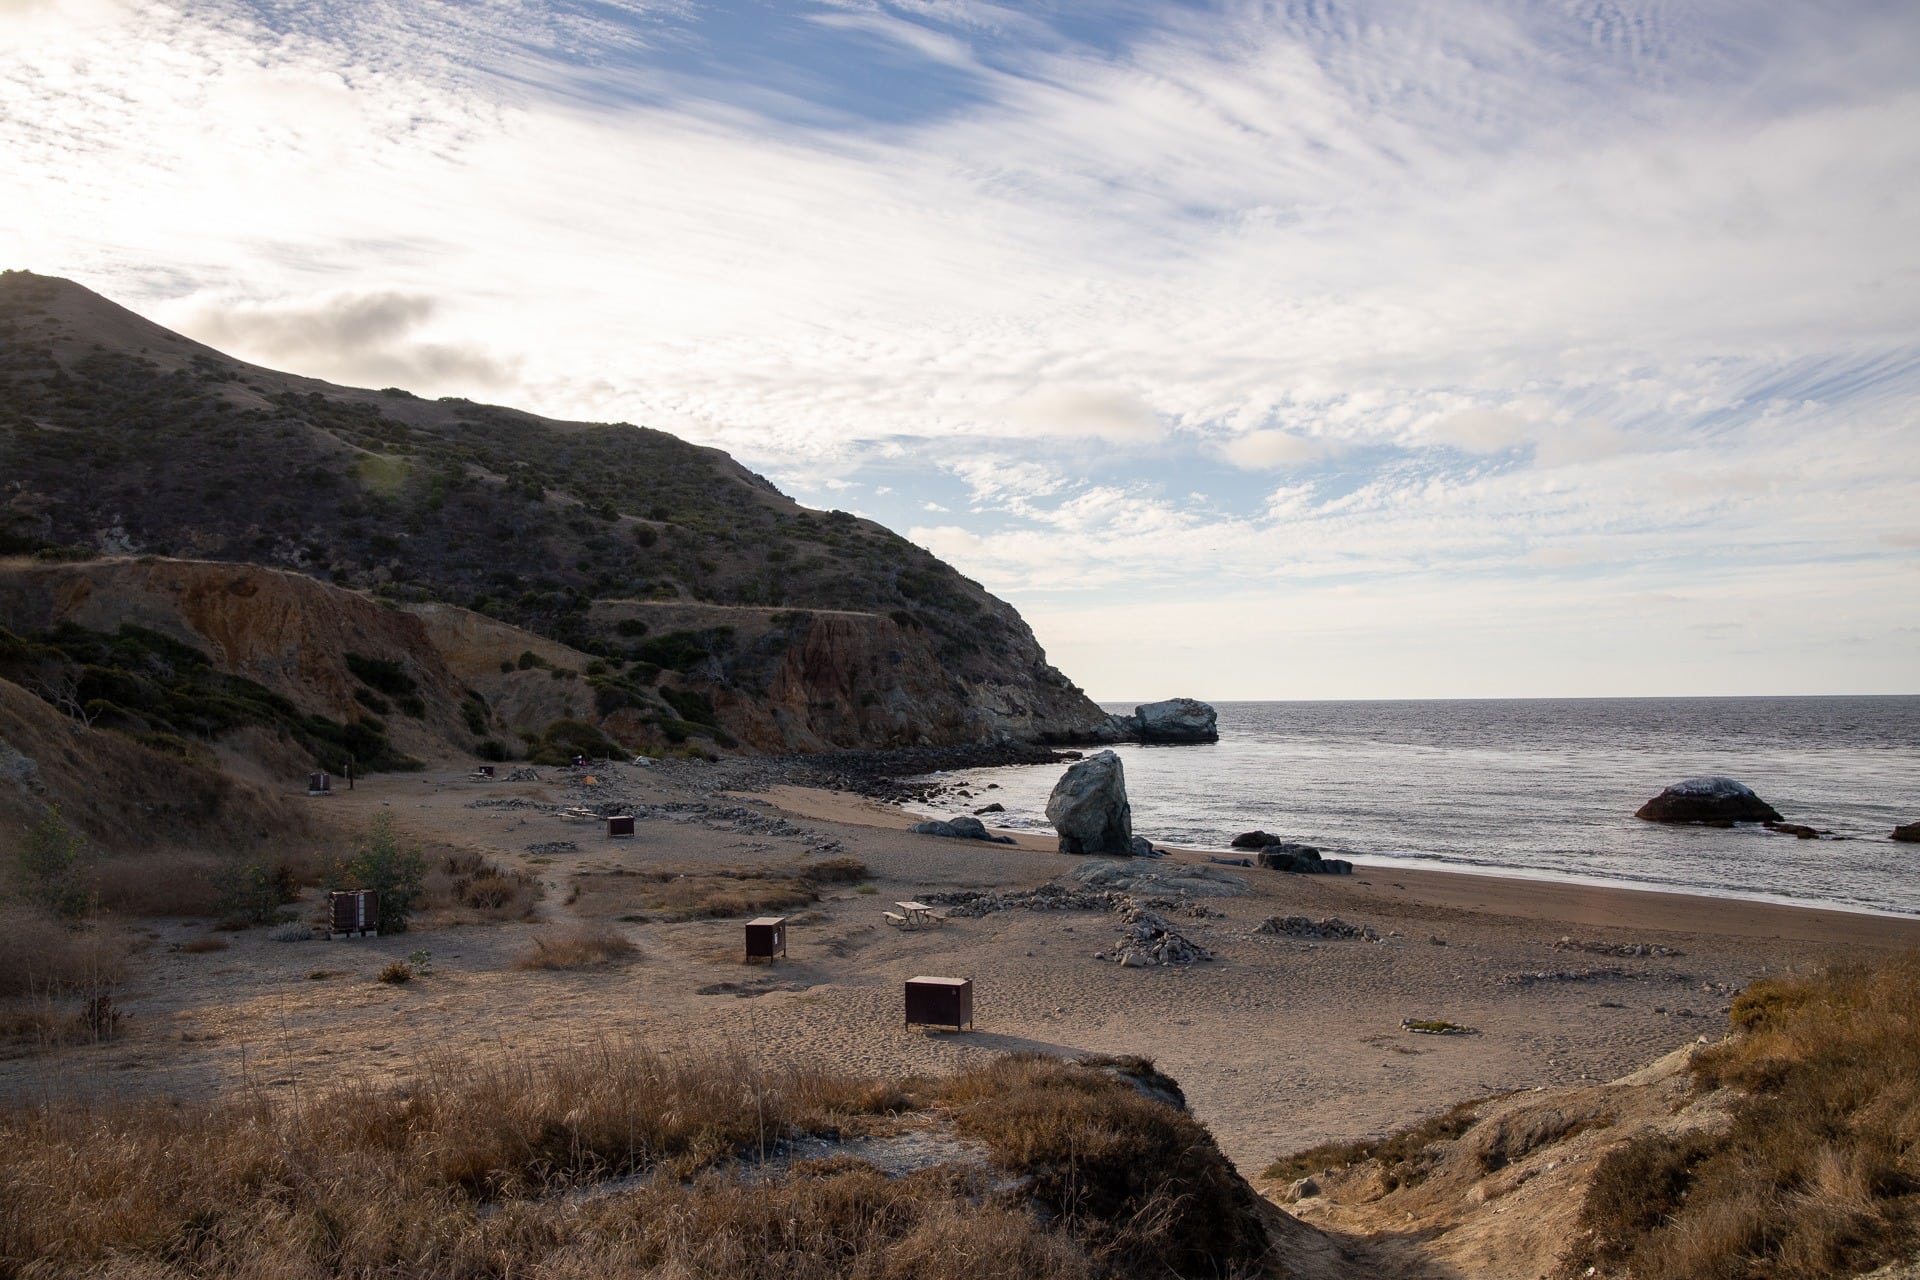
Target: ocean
[{"x": 1541, "y": 788}]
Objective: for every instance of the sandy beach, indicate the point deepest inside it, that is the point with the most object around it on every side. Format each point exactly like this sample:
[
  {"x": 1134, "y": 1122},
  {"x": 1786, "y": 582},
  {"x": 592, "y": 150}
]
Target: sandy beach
[{"x": 1279, "y": 1042}]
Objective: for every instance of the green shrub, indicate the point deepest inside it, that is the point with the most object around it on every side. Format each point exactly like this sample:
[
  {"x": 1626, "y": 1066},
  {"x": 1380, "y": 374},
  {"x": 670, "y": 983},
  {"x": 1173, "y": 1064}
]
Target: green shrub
[
  {"x": 51, "y": 867},
  {"x": 565, "y": 739},
  {"x": 381, "y": 863},
  {"x": 254, "y": 890},
  {"x": 384, "y": 674}
]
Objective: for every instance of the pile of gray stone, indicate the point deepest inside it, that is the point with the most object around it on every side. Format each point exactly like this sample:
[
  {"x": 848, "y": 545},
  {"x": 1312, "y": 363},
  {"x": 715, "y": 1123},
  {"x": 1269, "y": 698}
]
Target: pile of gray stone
[
  {"x": 1616, "y": 948},
  {"x": 973, "y": 903},
  {"x": 1329, "y": 927},
  {"x": 1173, "y": 880},
  {"x": 1149, "y": 939}
]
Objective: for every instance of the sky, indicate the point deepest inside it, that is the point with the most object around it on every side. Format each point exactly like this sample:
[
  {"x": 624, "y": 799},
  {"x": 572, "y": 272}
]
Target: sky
[{"x": 1302, "y": 350}]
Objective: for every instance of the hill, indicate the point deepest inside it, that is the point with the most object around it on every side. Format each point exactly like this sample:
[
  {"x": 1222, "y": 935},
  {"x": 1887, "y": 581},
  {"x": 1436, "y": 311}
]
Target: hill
[{"x": 700, "y": 593}]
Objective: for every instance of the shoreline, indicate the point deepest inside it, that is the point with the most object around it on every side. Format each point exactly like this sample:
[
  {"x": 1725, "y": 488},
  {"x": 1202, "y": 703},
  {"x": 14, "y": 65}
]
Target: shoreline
[{"x": 1526, "y": 897}]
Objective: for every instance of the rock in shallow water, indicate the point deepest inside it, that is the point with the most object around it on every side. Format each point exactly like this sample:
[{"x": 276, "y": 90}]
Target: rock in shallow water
[
  {"x": 1177, "y": 720},
  {"x": 1909, "y": 834},
  {"x": 1708, "y": 800}
]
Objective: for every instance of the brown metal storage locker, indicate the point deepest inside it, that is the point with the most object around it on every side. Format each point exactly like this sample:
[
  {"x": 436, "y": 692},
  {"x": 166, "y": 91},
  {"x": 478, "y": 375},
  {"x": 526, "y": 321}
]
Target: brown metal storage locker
[
  {"x": 620, "y": 826},
  {"x": 766, "y": 937},
  {"x": 353, "y": 911},
  {"x": 940, "y": 1002}
]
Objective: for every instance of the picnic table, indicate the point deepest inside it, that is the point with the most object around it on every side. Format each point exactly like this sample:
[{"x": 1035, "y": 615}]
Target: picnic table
[{"x": 918, "y": 913}]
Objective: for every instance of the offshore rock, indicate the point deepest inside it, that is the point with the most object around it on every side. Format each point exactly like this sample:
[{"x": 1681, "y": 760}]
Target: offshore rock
[
  {"x": 1909, "y": 834},
  {"x": 1708, "y": 800},
  {"x": 1089, "y": 807},
  {"x": 1177, "y": 720}
]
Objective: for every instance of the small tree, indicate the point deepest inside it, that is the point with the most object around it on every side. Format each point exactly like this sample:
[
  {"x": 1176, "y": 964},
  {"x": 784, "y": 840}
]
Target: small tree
[
  {"x": 52, "y": 866},
  {"x": 380, "y": 863},
  {"x": 253, "y": 890}
]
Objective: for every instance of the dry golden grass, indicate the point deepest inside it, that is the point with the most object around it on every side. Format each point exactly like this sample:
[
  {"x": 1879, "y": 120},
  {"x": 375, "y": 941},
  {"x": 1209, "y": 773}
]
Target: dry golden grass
[
  {"x": 57, "y": 982},
  {"x": 1405, "y": 1158},
  {"x": 1819, "y": 1173},
  {"x": 1141, "y": 1184},
  {"x": 699, "y": 893},
  {"x": 581, "y": 947},
  {"x": 464, "y": 1170},
  {"x": 41, "y": 957},
  {"x": 472, "y": 882},
  {"x": 161, "y": 884}
]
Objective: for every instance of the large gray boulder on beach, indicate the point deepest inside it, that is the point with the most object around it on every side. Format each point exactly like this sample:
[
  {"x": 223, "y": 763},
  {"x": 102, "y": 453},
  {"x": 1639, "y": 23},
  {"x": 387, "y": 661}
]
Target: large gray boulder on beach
[
  {"x": 962, "y": 828},
  {"x": 1089, "y": 807},
  {"x": 1710, "y": 801},
  {"x": 1177, "y": 720}
]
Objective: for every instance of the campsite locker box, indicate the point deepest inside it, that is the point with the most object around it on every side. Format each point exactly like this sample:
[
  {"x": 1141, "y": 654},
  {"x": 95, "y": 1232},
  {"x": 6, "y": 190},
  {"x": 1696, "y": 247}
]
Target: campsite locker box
[
  {"x": 620, "y": 825},
  {"x": 940, "y": 1002},
  {"x": 353, "y": 911},
  {"x": 319, "y": 784},
  {"x": 766, "y": 937}
]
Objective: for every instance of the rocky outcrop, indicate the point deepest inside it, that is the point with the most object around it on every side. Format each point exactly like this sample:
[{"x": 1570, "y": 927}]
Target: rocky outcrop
[
  {"x": 1170, "y": 721},
  {"x": 284, "y": 631},
  {"x": 1089, "y": 809},
  {"x": 1909, "y": 834},
  {"x": 1708, "y": 801}
]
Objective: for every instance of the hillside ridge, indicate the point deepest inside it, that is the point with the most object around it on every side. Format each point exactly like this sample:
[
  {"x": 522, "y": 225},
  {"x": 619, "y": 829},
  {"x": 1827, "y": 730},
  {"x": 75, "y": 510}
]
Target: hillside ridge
[{"x": 680, "y": 575}]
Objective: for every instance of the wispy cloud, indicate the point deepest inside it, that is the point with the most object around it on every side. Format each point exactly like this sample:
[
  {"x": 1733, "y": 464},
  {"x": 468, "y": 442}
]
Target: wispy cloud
[{"x": 1513, "y": 293}]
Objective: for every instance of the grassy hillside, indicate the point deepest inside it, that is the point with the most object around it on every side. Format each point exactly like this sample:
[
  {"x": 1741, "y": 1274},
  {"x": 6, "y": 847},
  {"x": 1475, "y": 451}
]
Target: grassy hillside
[{"x": 119, "y": 436}]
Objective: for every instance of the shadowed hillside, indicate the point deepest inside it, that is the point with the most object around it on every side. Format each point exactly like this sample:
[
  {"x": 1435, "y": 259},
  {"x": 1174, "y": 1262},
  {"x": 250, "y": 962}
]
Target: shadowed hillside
[{"x": 809, "y": 629}]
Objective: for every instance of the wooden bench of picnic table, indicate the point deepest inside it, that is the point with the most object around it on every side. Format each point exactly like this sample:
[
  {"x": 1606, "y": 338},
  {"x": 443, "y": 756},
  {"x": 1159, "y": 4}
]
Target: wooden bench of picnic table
[{"x": 895, "y": 918}]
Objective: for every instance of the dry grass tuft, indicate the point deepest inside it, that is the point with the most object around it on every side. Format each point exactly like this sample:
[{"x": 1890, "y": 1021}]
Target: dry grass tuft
[
  {"x": 40, "y": 957},
  {"x": 702, "y": 893},
  {"x": 161, "y": 884},
  {"x": 582, "y": 947},
  {"x": 456, "y": 1173},
  {"x": 1819, "y": 1173},
  {"x": 1140, "y": 1183},
  {"x": 476, "y": 883},
  {"x": 1405, "y": 1158},
  {"x": 396, "y": 972},
  {"x": 57, "y": 982}
]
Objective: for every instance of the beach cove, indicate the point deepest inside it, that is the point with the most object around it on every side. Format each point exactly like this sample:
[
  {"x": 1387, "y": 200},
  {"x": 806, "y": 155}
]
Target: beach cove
[{"x": 1279, "y": 1042}]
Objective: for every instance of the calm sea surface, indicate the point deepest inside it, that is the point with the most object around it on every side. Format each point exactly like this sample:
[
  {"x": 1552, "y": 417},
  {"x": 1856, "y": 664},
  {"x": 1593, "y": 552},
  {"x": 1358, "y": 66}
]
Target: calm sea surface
[{"x": 1543, "y": 788}]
